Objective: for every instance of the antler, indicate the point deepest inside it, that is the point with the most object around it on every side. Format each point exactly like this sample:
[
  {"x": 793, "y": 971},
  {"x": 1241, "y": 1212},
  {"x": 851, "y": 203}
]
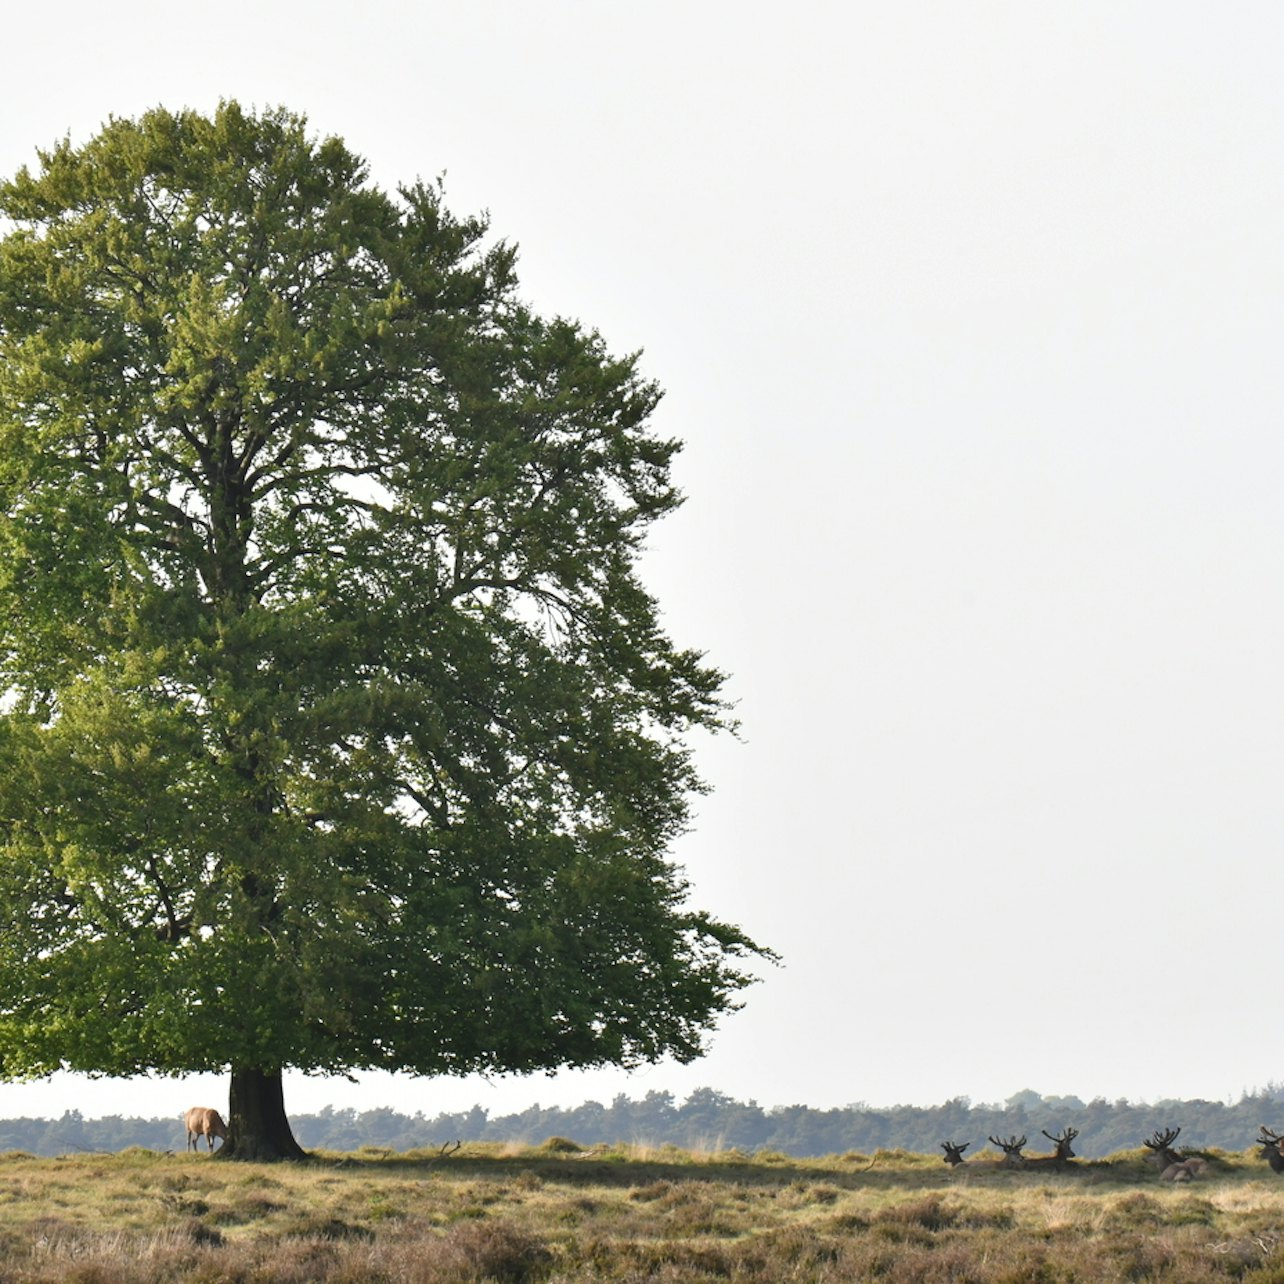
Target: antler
[
  {"x": 1011, "y": 1144},
  {"x": 1272, "y": 1145},
  {"x": 1063, "y": 1153},
  {"x": 953, "y": 1152},
  {"x": 1162, "y": 1143}
]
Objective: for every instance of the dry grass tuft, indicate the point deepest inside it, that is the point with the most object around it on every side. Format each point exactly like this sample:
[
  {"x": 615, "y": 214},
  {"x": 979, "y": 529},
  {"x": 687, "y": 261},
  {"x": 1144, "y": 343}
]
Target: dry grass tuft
[{"x": 930, "y": 1212}]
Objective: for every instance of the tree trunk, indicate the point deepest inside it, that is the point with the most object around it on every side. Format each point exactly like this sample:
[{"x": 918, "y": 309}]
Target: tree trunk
[{"x": 257, "y": 1128}]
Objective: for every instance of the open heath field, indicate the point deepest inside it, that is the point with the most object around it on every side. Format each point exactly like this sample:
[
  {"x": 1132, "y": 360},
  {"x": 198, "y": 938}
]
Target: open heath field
[{"x": 557, "y": 1213}]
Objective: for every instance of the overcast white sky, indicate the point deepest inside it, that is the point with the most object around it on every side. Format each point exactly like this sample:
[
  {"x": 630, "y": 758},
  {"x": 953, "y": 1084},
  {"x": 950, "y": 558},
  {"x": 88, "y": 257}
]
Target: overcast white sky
[{"x": 970, "y": 315}]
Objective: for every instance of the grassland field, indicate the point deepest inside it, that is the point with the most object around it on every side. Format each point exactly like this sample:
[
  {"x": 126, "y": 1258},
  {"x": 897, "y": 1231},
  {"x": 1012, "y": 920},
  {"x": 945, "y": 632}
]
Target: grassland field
[{"x": 555, "y": 1213}]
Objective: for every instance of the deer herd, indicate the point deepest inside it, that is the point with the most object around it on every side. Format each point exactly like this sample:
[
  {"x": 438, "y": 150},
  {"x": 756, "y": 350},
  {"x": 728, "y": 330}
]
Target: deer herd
[
  {"x": 1172, "y": 1166},
  {"x": 201, "y": 1121}
]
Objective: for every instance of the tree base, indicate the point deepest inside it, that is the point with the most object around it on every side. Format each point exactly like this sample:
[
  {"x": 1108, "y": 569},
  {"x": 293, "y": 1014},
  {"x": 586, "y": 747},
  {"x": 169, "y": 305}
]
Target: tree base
[{"x": 257, "y": 1128}]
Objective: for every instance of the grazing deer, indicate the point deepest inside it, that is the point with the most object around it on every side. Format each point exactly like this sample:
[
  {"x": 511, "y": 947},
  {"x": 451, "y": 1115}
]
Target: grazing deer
[
  {"x": 954, "y": 1153},
  {"x": 1012, "y": 1156},
  {"x": 1162, "y": 1155},
  {"x": 1272, "y": 1145},
  {"x": 201, "y": 1121}
]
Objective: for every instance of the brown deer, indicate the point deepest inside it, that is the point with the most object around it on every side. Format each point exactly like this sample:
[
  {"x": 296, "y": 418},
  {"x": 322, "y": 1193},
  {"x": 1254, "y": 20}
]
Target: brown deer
[
  {"x": 201, "y": 1121},
  {"x": 1162, "y": 1155},
  {"x": 1187, "y": 1170},
  {"x": 1272, "y": 1145},
  {"x": 1062, "y": 1155},
  {"x": 1172, "y": 1165},
  {"x": 978, "y": 1165},
  {"x": 1012, "y": 1156}
]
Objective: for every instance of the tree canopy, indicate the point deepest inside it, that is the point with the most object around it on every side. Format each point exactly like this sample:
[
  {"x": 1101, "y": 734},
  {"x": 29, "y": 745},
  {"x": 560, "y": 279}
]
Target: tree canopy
[{"x": 337, "y": 729}]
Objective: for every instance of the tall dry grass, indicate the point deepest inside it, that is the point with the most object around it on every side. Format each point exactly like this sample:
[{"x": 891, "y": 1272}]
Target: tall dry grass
[{"x": 558, "y": 1213}]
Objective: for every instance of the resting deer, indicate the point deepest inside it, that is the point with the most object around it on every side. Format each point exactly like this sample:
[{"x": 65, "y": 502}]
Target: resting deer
[
  {"x": 201, "y": 1121},
  {"x": 1162, "y": 1155},
  {"x": 1062, "y": 1155},
  {"x": 1187, "y": 1170},
  {"x": 1272, "y": 1145},
  {"x": 978, "y": 1165},
  {"x": 1173, "y": 1166},
  {"x": 1012, "y": 1156}
]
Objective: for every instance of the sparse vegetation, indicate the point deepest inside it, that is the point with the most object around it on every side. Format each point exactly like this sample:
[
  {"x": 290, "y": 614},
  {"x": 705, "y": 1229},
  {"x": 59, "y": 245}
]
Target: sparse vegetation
[{"x": 549, "y": 1214}]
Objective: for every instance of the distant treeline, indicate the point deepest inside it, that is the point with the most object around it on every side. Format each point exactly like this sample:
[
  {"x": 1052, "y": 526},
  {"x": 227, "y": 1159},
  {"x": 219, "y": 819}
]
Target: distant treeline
[{"x": 708, "y": 1120}]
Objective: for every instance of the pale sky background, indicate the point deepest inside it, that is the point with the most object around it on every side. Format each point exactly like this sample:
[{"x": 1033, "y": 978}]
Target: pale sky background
[{"x": 971, "y": 316}]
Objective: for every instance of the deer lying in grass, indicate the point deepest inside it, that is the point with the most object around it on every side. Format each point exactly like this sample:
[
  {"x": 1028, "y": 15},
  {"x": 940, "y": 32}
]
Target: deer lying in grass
[
  {"x": 1059, "y": 1159},
  {"x": 1162, "y": 1155},
  {"x": 1272, "y": 1145},
  {"x": 1173, "y": 1166},
  {"x": 1062, "y": 1154},
  {"x": 969, "y": 1167},
  {"x": 1012, "y": 1156},
  {"x": 1187, "y": 1170},
  {"x": 201, "y": 1121}
]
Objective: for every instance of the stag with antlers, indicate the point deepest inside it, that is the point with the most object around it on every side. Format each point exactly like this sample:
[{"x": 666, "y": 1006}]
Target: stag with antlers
[
  {"x": 1062, "y": 1155},
  {"x": 1272, "y": 1145},
  {"x": 954, "y": 1152},
  {"x": 1172, "y": 1165},
  {"x": 1012, "y": 1156},
  {"x": 1162, "y": 1155}
]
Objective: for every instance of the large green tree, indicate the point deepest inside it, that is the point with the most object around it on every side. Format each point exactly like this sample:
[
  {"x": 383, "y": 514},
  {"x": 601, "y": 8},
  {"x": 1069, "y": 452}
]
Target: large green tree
[{"x": 337, "y": 730}]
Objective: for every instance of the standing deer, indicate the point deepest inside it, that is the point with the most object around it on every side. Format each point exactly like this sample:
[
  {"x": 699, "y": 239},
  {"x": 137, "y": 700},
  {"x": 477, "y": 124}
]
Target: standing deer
[
  {"x": 954, "y": 1153},
  {"x": 201, "y": 1121},
  {"x": 1272, "y": 1145}
]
